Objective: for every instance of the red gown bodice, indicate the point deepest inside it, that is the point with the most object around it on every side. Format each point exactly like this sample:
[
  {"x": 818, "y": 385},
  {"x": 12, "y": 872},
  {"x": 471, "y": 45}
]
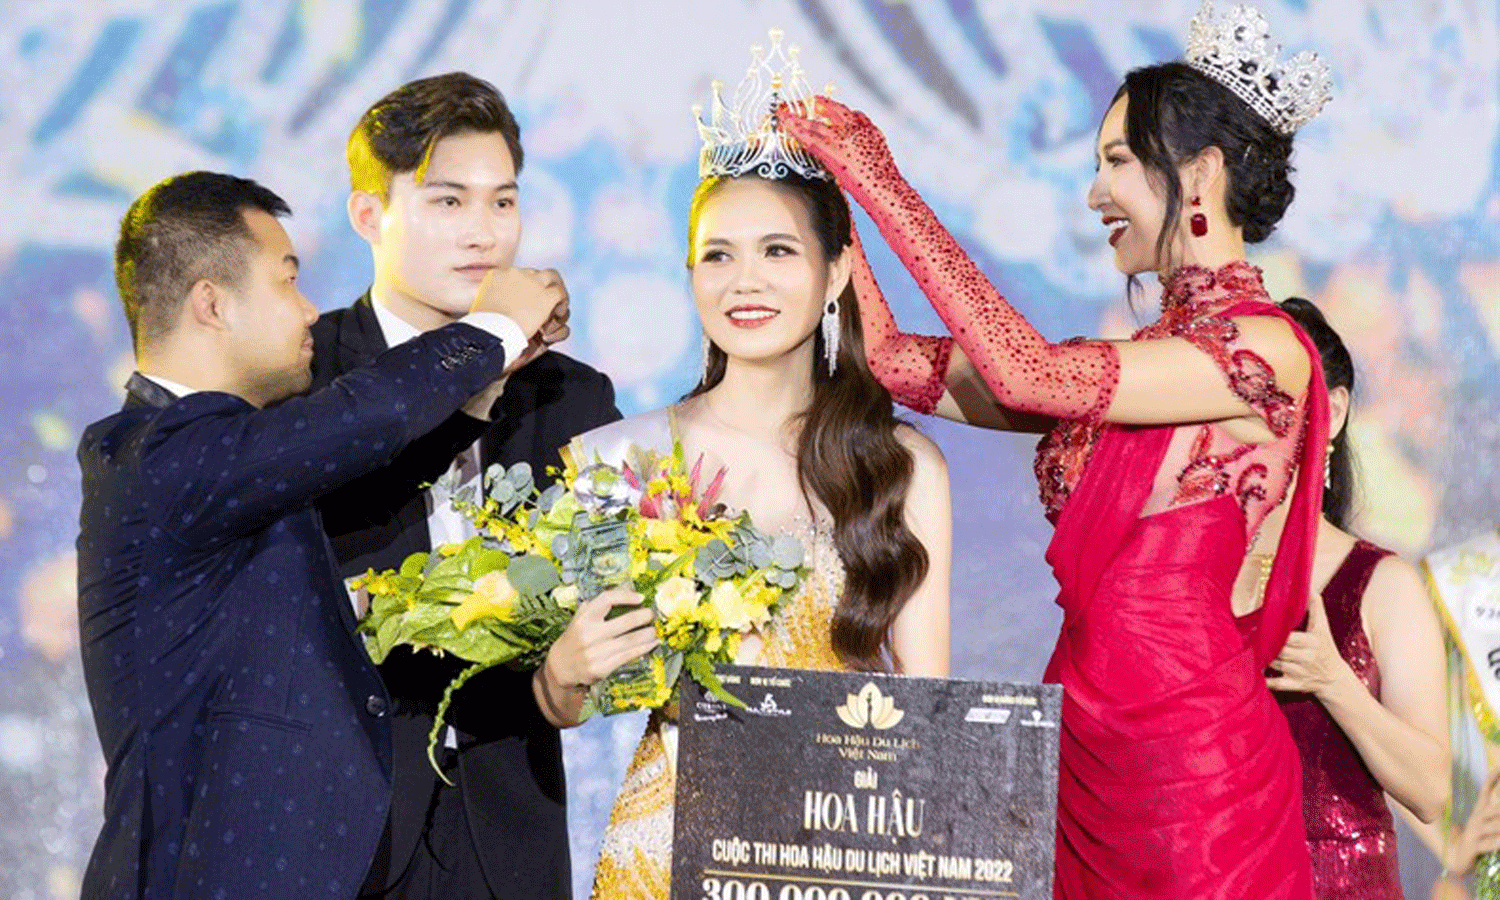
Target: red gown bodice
[{"x": 1178, "y": 776}]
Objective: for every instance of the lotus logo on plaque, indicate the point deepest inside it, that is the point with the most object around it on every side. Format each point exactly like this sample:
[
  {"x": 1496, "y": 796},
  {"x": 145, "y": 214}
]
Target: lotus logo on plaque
[{"x": 869, "y": 709}]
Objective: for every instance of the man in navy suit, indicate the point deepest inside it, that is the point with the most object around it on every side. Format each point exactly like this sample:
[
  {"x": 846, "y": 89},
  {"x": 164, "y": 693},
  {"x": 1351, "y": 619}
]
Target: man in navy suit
[
  {"x": 246, "y": 732},
  {"x": 433, "y": 168}
]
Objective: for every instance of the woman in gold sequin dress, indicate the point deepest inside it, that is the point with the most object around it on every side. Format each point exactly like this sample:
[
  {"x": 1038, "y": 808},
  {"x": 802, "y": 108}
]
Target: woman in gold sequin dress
[{"x": 810, "y": 451}]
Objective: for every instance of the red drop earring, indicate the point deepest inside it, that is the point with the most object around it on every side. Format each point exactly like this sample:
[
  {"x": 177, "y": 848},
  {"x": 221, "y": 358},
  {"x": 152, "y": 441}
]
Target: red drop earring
[{"x": 1198, "y": 222}]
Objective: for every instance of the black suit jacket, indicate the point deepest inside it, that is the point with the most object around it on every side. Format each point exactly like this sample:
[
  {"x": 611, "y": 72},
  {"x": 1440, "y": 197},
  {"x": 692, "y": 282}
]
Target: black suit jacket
[
  {"x": 246, "y": 731},
  {"x": 510, "y": 760}
]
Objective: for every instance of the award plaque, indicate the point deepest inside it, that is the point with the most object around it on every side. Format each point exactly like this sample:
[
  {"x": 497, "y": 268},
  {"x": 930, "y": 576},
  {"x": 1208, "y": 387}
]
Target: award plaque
[{"x": 857, "y": 786}]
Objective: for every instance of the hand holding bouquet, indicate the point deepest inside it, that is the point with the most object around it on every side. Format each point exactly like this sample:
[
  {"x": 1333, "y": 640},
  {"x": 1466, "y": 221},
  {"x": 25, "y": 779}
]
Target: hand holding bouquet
[{"x": 505, "y": 595}]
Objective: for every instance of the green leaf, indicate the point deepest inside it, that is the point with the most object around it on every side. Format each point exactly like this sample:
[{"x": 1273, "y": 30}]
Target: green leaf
[
  {"x": 417, "y": 619},
  {"x": 413, "y": 565},
  {"x": 487, "y": 560},
  {"x": 385, "y": 638},
  {"x": 533, "y": 575},
  {"x": 442, "y": 710},
  {"x": 382, "y": 606},
  {"x": 702, "y": 670},
  {"x": 786, "y": 552},
  {"x": 673, "y": 663},
  {"x": 479, "y": 645},
  {"x": 449, "y": 567},
  {"x": 439, "y": 634},
  {"x": 590, "y": 706}
]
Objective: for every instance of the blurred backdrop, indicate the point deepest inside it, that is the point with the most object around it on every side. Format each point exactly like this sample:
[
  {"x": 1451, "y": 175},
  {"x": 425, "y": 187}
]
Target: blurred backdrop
[{"x": 990, "y": 107}]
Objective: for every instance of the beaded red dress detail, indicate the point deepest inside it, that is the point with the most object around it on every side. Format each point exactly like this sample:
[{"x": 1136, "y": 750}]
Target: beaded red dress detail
[
  {"x": 1194, "y": 302},
  {"x": 1025, "y": 372},
  {"x": 911, "y": 366}
]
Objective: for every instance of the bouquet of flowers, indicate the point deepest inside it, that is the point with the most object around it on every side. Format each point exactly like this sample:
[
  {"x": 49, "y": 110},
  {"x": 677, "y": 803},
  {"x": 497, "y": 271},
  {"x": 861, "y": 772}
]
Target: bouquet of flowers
[{"x": 504, "y": 596}]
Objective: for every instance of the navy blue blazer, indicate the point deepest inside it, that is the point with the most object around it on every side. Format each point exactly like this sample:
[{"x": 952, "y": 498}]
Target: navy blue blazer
[{"x": 244, "y": 727}]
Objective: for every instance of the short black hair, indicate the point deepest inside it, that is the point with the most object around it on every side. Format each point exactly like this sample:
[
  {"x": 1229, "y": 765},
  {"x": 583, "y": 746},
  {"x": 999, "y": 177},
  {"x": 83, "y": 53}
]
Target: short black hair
[
  {"x": 186, "y": 228},
  {"x": 398, "y": 132}
]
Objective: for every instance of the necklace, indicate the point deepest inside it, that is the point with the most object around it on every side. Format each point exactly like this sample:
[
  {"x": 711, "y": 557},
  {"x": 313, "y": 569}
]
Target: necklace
[
  {"x": 1267, "y": 560},
  {"x": 769, "y": 437}
]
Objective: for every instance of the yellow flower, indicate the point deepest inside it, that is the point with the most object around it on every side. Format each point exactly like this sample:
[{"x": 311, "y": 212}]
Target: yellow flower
[
  {"x": 662, "y": 534},
  {"x": 676, "y": 599},
  {"x": 730, "y": 608},
  {"x": 659, "y": 678},
  {"x": 449, "y": 549},
  {"x": 759, "y": 598},
  {"x": 493, "y": 597},
  {"x": 372, "y": 582}
]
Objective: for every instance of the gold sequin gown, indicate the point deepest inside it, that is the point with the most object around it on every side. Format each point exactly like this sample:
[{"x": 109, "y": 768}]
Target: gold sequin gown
[{"x": 636, "y": 858}]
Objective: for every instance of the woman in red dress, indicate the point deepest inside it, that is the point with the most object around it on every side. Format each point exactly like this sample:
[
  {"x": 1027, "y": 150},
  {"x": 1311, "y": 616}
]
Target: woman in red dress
[
  {"x": 1360, "y": 685},
  {"x": 1178, "y": 775}
]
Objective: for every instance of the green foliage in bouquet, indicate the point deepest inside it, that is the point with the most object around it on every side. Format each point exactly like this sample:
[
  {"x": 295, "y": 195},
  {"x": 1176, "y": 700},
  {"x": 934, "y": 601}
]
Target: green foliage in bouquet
[{"x": 504, "y": 596}]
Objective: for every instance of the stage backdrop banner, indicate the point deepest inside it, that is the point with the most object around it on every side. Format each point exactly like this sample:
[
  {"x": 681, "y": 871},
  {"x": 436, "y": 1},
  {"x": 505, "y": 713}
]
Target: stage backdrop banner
[{"x": 858, "y": 786}]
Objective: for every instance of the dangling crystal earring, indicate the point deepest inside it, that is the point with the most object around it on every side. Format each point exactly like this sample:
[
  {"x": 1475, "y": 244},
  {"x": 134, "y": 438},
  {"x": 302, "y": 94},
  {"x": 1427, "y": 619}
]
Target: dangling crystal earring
[
  {"x": 703, "y": 364},
  {"x": 830, "y": 327},
  {"x": 1328, "y": 467},
  {"x": 1198, "y": 222}
]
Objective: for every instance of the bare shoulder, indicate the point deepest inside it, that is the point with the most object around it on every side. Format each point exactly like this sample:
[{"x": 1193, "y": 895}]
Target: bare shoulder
[
  {"x": 1274, "y": 340},
  {"x": 925, "y": 452},
  {"x": 1396, "y": 580},
  {"x": 928, "y": 497},
  {"x": 1396, "y": 600}
]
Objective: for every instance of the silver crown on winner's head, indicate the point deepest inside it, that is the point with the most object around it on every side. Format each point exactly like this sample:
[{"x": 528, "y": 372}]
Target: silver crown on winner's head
[
  {"x": 742, "y": 137},
  {"x": 1235, "y": 49}
]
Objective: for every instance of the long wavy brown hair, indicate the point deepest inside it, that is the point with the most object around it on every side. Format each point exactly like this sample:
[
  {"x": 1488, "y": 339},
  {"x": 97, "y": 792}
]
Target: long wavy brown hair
[{"x": 847, "y": 453}]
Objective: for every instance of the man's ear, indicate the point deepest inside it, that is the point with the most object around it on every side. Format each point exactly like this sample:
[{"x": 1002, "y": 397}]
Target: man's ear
[
  {"x": 365, "y": 210},
  {"x": 205, "y": 305}
]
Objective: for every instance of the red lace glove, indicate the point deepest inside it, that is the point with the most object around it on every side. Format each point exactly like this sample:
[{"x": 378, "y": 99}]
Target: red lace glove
[
  {"x": 911, "y": 366},
  {"x": 1026, "y": 372}
]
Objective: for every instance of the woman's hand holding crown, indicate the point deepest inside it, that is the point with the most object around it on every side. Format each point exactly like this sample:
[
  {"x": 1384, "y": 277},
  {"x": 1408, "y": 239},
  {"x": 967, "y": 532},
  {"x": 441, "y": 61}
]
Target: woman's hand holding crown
[{"x": 847, "y": 144}]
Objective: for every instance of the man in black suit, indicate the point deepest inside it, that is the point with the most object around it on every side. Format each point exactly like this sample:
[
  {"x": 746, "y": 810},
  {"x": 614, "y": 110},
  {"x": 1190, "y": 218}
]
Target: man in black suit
[
  {"x": 433, "y": 168},
  {"x": 246, "y": 731}
]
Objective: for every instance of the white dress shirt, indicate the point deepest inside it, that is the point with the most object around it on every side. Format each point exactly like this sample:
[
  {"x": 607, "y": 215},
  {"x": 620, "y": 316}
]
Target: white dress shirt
[
  {"x": 444, "y": 525},
  {"x": 181, "y": 390}
]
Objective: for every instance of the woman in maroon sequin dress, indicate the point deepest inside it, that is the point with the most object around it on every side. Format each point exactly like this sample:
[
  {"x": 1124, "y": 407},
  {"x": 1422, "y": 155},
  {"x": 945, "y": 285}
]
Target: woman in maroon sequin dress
[
  {"x": 1361, "y": 685},
  {"x": 1178, "y": 777}
]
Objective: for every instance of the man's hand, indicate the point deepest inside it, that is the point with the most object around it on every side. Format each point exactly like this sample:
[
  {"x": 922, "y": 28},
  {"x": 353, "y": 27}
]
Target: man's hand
[
  {"x": 556, "y": 329},
  {"x": 531, "y": 298}
]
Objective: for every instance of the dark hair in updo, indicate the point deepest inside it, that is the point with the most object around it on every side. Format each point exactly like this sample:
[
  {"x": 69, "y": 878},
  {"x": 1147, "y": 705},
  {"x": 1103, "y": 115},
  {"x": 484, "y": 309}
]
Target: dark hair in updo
[
  {"x": 1176, "y": 112},
  {"x": 1338, "y": 371}
]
